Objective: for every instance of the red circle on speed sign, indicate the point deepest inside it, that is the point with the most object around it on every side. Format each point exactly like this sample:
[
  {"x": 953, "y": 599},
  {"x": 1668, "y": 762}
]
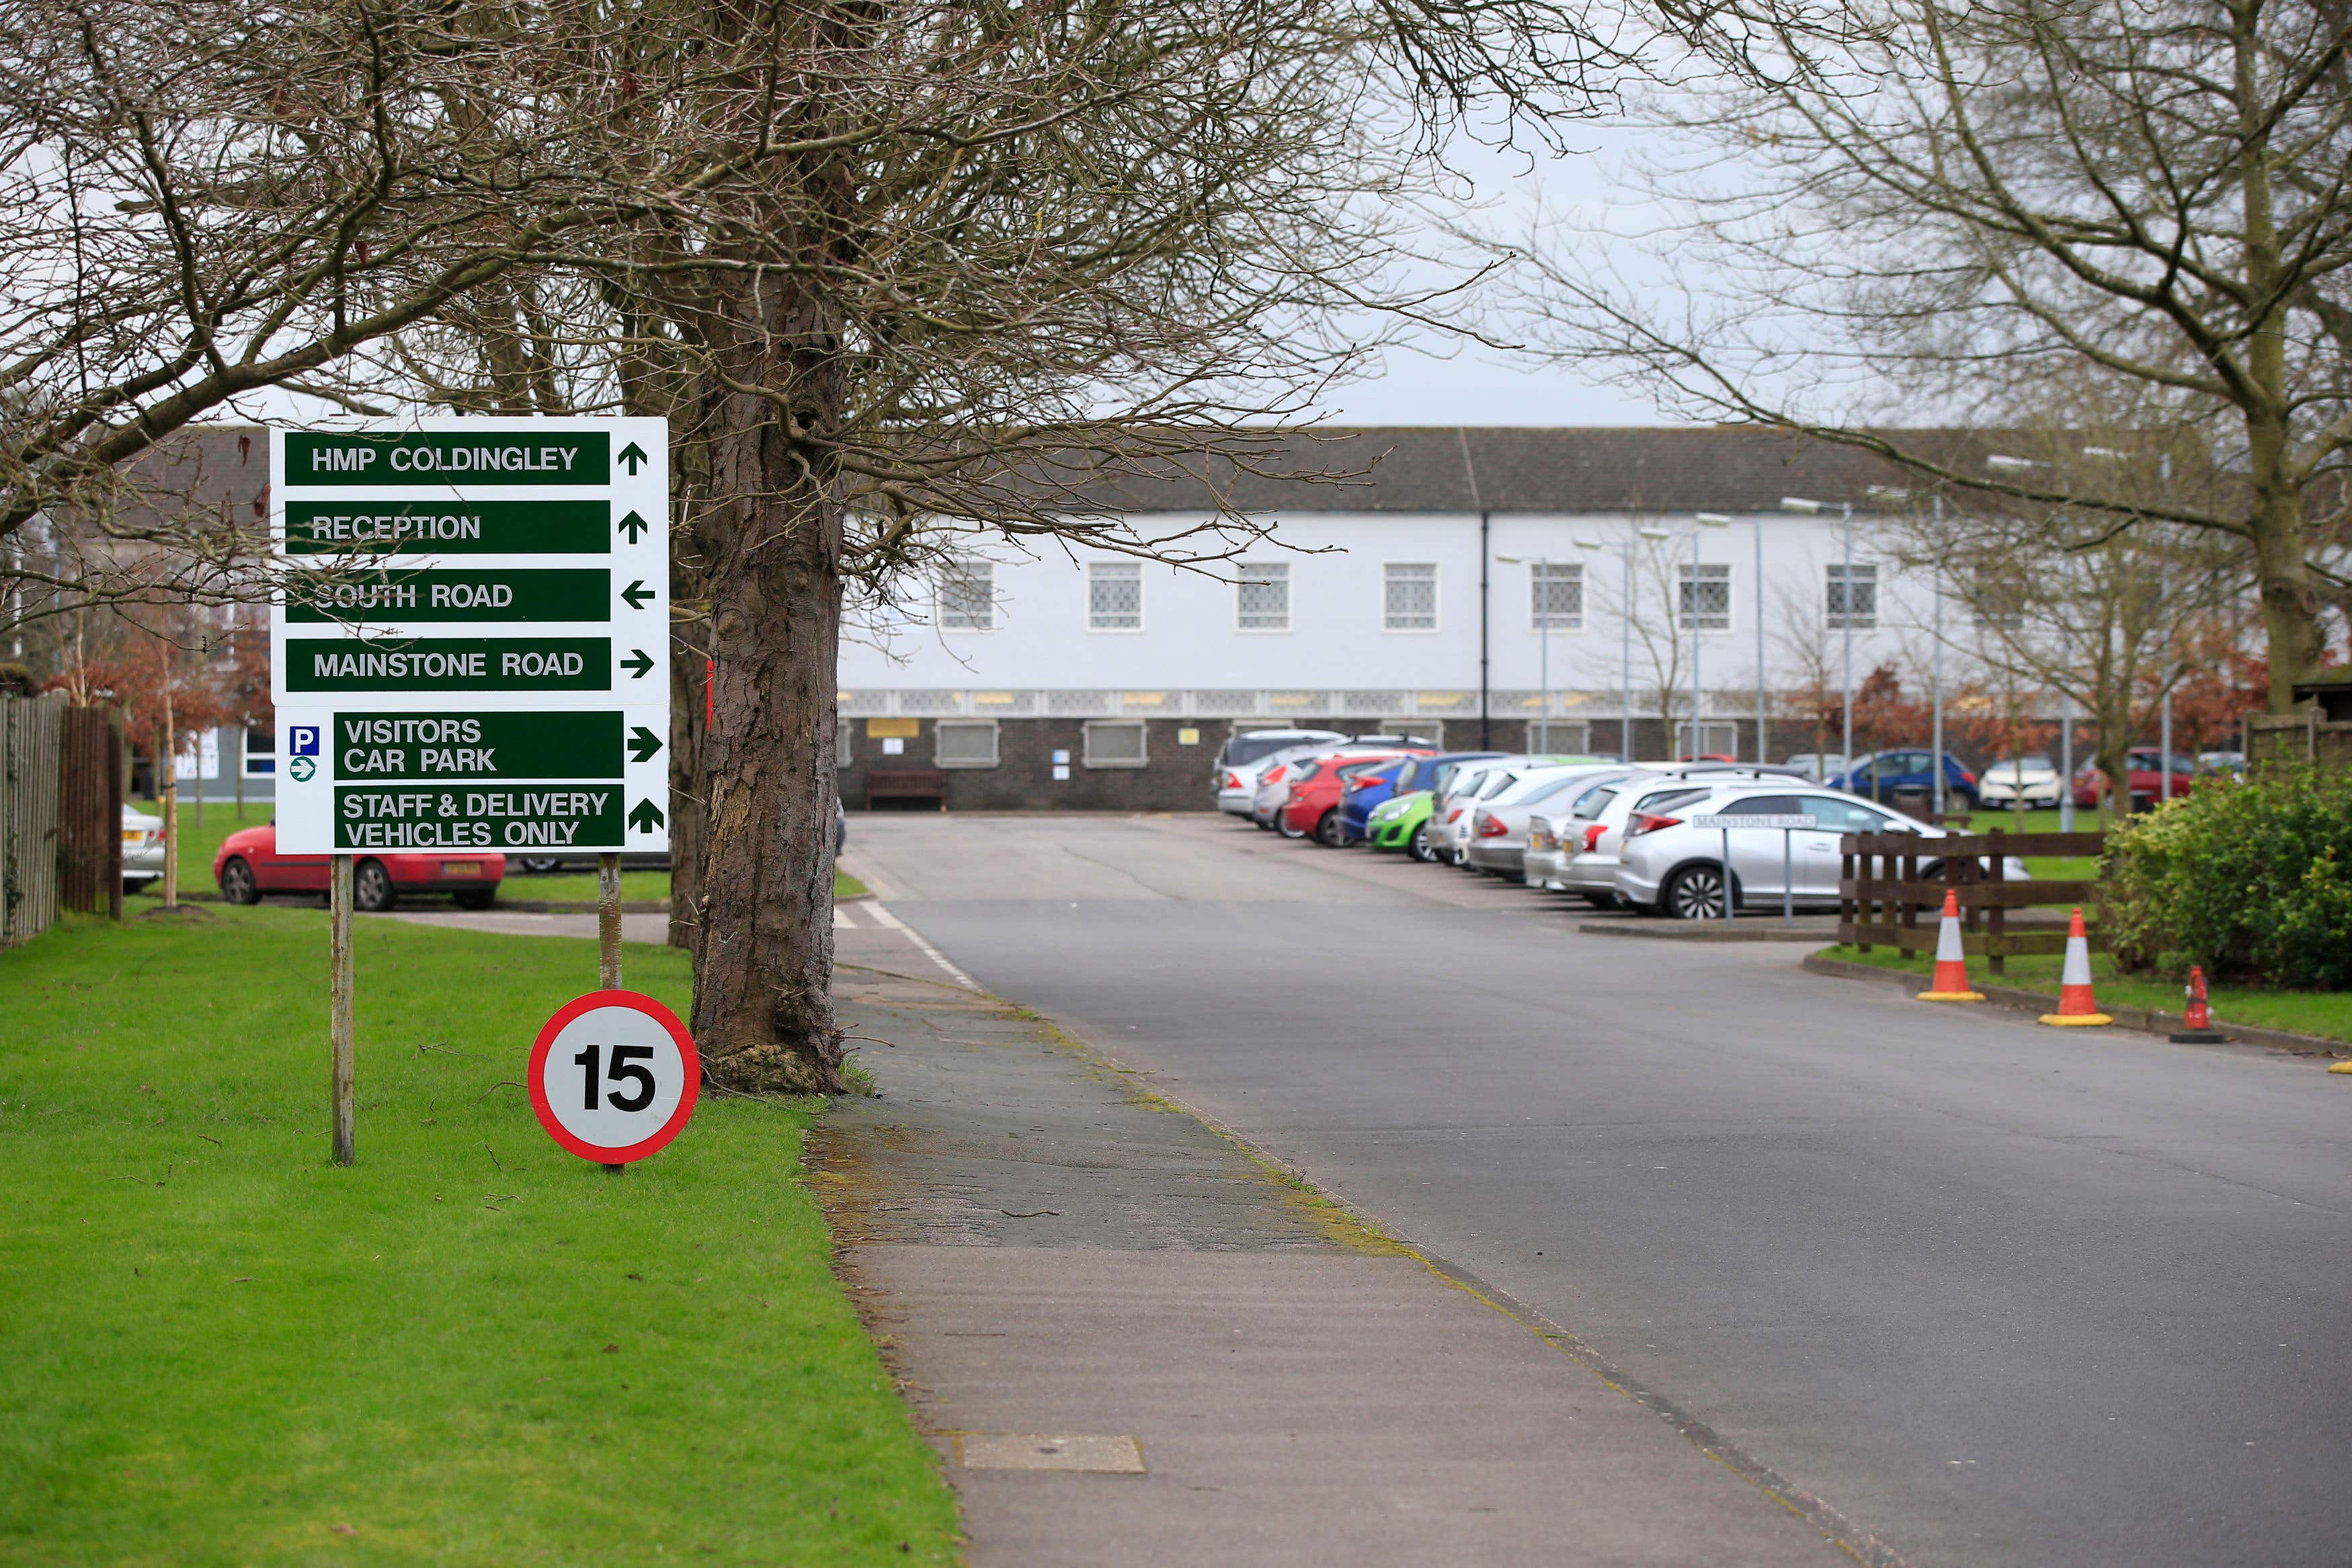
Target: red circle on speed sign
[{"x": 613, "y": 1076}]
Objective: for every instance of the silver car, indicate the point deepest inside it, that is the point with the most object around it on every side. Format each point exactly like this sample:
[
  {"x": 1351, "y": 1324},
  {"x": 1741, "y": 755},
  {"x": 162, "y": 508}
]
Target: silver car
[
  {"x": 1590, "y": 838},
  {"x": 143, "y": 849},
  {"x": 1668, "y": 866},
  {"x": 1250, "y": 753},
  {"x": 1497, "y": 840}
]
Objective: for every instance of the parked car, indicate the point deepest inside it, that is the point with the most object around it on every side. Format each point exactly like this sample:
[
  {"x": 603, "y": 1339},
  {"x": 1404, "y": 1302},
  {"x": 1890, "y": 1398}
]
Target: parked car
[
  {"x": 2147, "y": 778},
  {"x": 248, "y": 865},
  {"x": 1247, "y": 753},
  {"x": 1415, "y": 776},
  {"x": 2033, "y": 779},
  {"x": 1315, "y": 787},
  {"x": 1497, "y": 841},
  {"x": 1595, "y": 830},
  {"x": 1448, "y": 832},
  {"x": 1881, "y": 774},
  {"x": 1270, "y": 786},
  {"x": 1816, "y": 765},
  {"x": 143, "y": 849},
  {"x": 1668, "y": 866}
]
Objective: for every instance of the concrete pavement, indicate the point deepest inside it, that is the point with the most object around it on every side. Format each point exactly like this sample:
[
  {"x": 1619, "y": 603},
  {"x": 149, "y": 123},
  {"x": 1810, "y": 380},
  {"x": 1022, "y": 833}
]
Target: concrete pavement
[{"x": 2000, "y": 1294}]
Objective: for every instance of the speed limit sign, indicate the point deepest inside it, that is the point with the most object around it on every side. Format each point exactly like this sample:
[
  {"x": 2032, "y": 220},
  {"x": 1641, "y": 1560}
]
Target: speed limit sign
[{"x": 613, "y": 1076}]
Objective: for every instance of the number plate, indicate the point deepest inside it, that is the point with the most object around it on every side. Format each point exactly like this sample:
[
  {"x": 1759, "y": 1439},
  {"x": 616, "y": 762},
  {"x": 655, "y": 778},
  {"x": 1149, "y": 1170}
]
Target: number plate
[{"x": 461, "y": 868}]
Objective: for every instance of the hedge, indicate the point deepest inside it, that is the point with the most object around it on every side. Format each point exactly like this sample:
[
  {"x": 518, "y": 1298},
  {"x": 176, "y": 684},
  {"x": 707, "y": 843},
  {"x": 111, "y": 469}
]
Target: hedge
[{"x": 2251, "y": 880}]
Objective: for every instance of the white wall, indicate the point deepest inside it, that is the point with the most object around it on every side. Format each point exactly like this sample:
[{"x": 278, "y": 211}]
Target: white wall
[{"x": 1336, "y": 639}]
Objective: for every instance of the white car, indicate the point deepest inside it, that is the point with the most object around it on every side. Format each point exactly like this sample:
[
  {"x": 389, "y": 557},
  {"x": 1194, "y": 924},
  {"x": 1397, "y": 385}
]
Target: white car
[
  {"x": 1249, "y": 754},
  {"x": 1667, "y": 866},
  {"x": 2033, "y": 778},
  {"x": 143, "y": 849},
  {"x": 1595, "y": 829},
  {"x": 1497, "y": 840},
  {"x": 1816, "y": 765}
]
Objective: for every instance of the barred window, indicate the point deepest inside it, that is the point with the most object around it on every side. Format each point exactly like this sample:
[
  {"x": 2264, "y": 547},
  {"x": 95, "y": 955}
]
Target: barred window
[
  {"x": 1853, "y": 599},
  {"x": 964, "y": 743},
  {"x": 1262, "y": 596},
  {"x": 1114, "y": 596},
  {"x": 1410, "y": 601},
  {"x": 968, "y": 596},
  {"x": 1115, "y": 743},
  {"x": 1557, "y": 591},
  {"x": 1706, "y": 596}
]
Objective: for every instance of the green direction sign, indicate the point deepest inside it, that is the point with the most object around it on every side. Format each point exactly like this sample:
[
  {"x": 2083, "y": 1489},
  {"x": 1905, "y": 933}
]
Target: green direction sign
[
  {"x": 483, "y": 746},
  {"x": 471, "y": 817},
  {"x": 436, "y": 593},
  {"x": 452, "y": 527},
  {"x": 460, "y": 457},
  {"x": 437, "y": 664}
]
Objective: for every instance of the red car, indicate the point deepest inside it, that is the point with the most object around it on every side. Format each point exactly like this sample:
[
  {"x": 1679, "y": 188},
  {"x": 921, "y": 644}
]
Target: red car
[
  {"x": 2147, "y": 779},
  {"x": 1315, "y": 786},
  {"x": 249, "y": 865}
]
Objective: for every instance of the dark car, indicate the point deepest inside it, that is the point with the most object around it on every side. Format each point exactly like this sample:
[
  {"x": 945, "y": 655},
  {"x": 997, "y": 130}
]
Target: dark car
[{"x": 1879, "y": 776}]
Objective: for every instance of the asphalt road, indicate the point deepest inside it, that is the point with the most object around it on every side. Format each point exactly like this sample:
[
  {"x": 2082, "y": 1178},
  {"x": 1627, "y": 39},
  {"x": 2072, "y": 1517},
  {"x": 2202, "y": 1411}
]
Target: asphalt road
[{"x": 1995, "y": 1292}]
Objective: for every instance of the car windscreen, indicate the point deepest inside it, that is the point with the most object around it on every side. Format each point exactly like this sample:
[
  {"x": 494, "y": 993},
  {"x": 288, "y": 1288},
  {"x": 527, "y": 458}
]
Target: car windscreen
[
  {"x": 1243, "y": 750},
  {"x": 1503, "y": 778},
  {"x": 1545, "y": 791},
  {"x": 1667, "y": 799},
  {"x": 1595, "y": 801}
]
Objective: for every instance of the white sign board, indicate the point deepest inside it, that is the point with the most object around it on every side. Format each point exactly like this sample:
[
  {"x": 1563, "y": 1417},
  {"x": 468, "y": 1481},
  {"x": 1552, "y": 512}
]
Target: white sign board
[
  {"x": 471, "y": 646},
  {"x": 1777, "y": 822}
]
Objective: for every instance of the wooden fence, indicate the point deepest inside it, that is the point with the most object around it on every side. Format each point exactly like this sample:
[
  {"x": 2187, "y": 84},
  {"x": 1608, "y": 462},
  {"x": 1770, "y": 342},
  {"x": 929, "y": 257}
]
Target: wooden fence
[
  {"x": 32, "y": 732},
  {"x": 90, "y": 812},
  {"x": 1885, "y": 902}
]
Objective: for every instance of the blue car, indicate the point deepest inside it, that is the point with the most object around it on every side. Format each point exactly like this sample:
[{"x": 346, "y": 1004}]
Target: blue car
[
  {"x": 1881, "y": 774},
  {"x": 1398, "y": 777}
]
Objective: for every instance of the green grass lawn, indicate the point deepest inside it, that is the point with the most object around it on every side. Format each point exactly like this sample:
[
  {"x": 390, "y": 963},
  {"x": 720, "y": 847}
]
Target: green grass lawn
[
  {"x": 197, "y": 847},
  {"x": 2045, "y": 868},
  {"x": 215, "y": 1347},
  {"x": 2324, "y": 1013}
]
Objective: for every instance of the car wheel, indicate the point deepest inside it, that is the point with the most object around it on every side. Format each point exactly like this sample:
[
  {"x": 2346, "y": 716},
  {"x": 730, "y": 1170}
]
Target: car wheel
[
  {"x": 1420, "y": 847},
  {"x": 1968, "y": 800},
  {"x": 1695, "y": 893},
  {"x": 541, "y": 863},
  {"x": 1282, "y": 825},
  {"x": 371, "y": 887},
  {"x": 236, "y": 883},
  {"x": 1331, "y": 833}
]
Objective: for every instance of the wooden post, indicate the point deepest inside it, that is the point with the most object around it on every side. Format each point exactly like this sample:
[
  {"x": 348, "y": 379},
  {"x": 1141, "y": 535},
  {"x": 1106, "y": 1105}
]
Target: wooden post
[
  {"x": 339, "y": 989},
  {"x": 608, "y": 921},
  {"x": 1997, "y": 917},
  {"x": 117, "y": 783}
]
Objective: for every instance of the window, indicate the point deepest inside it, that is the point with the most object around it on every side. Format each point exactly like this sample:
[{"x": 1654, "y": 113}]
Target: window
[
  {"x": 1563, "y": 738},
  {"x": 1706, "y": 596},
  {"x": 1262, "y": 597},
  {"x": 1853, "y": 601},
  {"x": 968, "y": 596},
  {"x": 1831, "y": 815},
  {"x": 1709, "y": 739},
  {"x": 1115, "y": 743},
  {"x": 1410, "y": 597},
  {"x": 1557, "y": 591},
  {"x": 1997, "y": 599},
  {"x": 842, "y": 728},
  {"x": 1760, "y": 806},
  {"x": 964, "y": 743},
  {"x": 1114, "y": 596}
]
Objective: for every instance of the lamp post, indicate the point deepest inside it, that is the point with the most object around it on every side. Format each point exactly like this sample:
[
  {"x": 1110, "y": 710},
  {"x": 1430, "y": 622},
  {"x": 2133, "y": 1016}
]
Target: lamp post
[
  {"x": 1699, "y": 628},
  {"x": 1664, "y": 699},
  {"x": 1845, "y": 725},
  {"x": 1625, "y": 616}
]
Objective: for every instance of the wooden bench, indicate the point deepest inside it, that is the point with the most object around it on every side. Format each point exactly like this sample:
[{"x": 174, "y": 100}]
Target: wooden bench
[{"x": 909, "y": 785}]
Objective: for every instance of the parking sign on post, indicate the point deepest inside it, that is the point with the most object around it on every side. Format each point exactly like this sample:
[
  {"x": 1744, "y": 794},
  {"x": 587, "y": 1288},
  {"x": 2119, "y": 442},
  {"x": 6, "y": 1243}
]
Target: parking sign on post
[{"x": 1788, "y": 824}]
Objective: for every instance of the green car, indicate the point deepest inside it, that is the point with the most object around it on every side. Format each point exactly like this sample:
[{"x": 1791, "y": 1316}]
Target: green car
[{"x": 1396, "y": 823}]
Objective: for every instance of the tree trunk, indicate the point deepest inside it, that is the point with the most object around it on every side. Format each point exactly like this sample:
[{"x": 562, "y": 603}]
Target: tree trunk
[
  {"x": 2290, "y": 601},
  {"x": 767, "y": 541},
  {"x": 689, "y": 701}
]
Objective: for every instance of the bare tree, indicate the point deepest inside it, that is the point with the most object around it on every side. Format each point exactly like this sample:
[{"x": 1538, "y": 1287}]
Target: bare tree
[{"x": 1976, "y": 200}]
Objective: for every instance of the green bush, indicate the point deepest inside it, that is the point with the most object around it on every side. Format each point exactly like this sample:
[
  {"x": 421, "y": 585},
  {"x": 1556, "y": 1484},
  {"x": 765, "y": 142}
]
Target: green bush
[{"x": 2249, "y": 880}]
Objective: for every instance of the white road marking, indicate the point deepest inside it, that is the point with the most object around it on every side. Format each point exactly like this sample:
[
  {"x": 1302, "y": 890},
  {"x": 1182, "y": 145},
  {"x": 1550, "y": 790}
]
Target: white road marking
[
  {"x": 881, "y": 916},
  {"x": 841, "y": 920}
]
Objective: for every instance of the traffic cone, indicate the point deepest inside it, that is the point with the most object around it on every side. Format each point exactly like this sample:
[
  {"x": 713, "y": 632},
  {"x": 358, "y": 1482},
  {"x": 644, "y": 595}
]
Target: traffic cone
[
  {"x": 1951, "y": 959},
  {"x": 2197, "y": 1022},
  {"x": 2076, "y": 1010}
]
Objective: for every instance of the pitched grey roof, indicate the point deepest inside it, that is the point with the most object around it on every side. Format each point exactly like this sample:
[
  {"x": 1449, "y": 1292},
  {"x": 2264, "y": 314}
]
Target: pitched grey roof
[{"x": 1442, "y": 468}]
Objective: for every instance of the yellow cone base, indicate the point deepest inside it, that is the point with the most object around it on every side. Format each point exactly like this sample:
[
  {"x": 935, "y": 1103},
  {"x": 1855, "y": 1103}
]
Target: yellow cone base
[
  {"x": 2075, "y": 1020},
  {"x": 2341, "y": 1067},
  {"x": 1951, "y": 996}
]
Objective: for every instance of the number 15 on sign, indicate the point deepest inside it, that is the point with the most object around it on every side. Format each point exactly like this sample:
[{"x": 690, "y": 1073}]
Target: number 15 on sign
[{"x": 613, "y": 1077}]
